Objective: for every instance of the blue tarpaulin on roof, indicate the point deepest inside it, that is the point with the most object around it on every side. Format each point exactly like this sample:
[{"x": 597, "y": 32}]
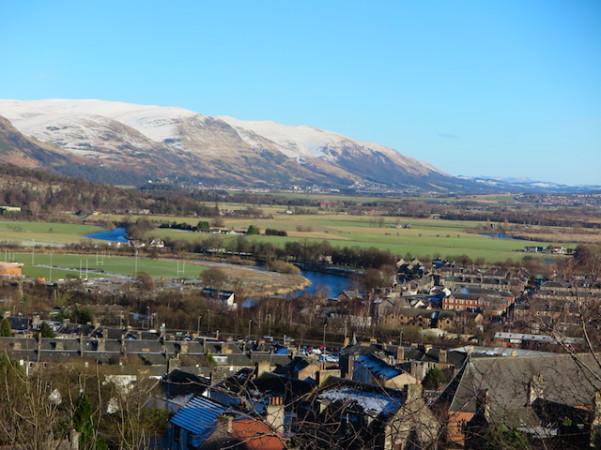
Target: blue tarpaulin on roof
[{"x": 199, "y": 417}]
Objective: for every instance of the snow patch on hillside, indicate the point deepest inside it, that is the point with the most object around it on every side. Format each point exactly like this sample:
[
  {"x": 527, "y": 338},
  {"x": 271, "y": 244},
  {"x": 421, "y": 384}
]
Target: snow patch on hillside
[{"x": 31, "y": 116}]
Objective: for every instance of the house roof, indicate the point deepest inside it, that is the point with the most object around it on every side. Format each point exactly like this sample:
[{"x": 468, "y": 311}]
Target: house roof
[
  {"x": 74, "y": 328},
  {"x": 378, "y": 368},
  {"x": 18, "y": 323},
  {"x": 376, "y": 401},
  {"x": 568, "y": 380},
  {"x": 199, "y": 417},
  {"x": 272, "y": 358},
  {"x": 154, "y": 359},
  {"x": 255, "y": 434},
  {"x": 178, "y": 383}
]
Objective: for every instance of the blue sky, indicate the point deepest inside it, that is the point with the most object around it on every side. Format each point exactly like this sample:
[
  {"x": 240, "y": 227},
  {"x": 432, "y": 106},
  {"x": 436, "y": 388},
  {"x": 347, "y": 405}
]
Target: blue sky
[{"x": 503, "y": 88}]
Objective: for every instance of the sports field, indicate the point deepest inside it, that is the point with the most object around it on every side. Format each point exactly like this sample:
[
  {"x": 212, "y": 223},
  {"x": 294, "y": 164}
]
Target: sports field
[{"x": 103, "y": 264}]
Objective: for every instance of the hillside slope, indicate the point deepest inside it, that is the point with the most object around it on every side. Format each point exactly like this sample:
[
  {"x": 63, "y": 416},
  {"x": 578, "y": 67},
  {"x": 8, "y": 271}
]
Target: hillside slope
[{"x": 180, "y": 145}]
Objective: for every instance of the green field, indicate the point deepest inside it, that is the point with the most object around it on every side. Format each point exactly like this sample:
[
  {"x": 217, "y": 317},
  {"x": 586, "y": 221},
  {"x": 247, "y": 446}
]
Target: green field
[
  {"x": 119, "y": 265},
  {"x": 425, "y": 237},
  {"x": 31, "y": 233}
]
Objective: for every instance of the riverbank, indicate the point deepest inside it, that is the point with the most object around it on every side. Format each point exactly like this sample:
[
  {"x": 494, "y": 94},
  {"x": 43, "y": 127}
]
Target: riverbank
[{"x": 252, "y": 281}]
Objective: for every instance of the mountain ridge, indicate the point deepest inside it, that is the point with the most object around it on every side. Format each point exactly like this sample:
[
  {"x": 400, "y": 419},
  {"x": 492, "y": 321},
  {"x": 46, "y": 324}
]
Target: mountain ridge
[{"x": 176, "y": 142}]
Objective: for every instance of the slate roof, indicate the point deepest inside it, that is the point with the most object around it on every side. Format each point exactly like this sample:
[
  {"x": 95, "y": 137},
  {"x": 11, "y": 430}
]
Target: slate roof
[
  {"x": 179, "y": 383},
  {"x": 132, "y": 345},
  {"x": 233, "y": 359},
  {"x": 297, "y": 364},
  {"x": 566, "y": 380},
  {"x": 376, "y": 401},
  {"x": 19, "y": 323},
  {"x": 378, "y": 368},
  {"x": 272, "y": 358},
  {"x": 462, "y": 296},
  {"x": 108, "y": 333},
  {"x": 110, "y": 345},
  {"x": 154, "y": 359},
  {"x": 74, "y": 328},
  {"x": 55, "y": 343}
]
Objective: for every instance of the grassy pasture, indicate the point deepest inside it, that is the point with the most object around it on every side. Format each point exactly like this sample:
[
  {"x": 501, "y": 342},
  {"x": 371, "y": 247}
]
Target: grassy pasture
[
  {"x": 426, "y": 237},
  {"x": 44, "y": 232}
]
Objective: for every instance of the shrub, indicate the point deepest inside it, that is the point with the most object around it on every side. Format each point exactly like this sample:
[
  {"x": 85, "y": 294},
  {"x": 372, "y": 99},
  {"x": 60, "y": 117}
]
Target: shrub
[
  {"x": 272, "y": 232},
  {"x": 283, "y": 267}
]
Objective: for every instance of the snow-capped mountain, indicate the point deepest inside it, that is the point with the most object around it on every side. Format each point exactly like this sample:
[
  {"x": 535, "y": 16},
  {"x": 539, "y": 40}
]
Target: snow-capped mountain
[
  {"x": 156, "y": 141},
  {"x": 526, "y": 184}
]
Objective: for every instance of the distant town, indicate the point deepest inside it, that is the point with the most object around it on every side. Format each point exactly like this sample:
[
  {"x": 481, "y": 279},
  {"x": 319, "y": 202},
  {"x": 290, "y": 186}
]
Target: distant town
[{"x": 231, "y": 318}]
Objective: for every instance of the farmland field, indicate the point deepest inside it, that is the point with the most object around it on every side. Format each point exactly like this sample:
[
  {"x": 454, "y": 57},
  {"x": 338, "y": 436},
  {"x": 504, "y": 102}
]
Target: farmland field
[
  {"x": 425, "y": 237},
  {"x": 44, "y": 232},
  {"x": 420, "y": 237}
]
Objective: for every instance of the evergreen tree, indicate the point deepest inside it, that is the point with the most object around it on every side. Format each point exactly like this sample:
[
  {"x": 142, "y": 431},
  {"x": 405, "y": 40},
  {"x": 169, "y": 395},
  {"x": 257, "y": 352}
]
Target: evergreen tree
[
  {"x": 5, "y": 329},
  {"x": 253, "y": 230},
  {"x": 434, "y": 378},
  {"x": 46, "y": 331}
]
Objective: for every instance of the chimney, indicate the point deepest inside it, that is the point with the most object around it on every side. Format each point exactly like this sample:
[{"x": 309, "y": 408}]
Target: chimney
[
  {"x": 535, "y": 388},
  {"x": 227, "y": 349},
  {"x": 173, "y": 364},
  {"x": 225, "y": 423},
  {"x": 442, "y": 356},
  {"x": 400, "y": 354},
  {"x": 483, "y": 403},
  {"x": 427, "y": 348},
  {"x": 183, "y": 347},
  {"x": 276, "y": 413},
  {"x": 262, "y": 367},
  {"x": 346, "y": 342},
  {"x": 101, "y": 345},
  {"x": 413, "y": 392},
  {"x": 323, "y": 375},
  {"x": 350, "y": 367},
  {"x": 216, "y": 377},
  {"x": 413, "y": 369}
]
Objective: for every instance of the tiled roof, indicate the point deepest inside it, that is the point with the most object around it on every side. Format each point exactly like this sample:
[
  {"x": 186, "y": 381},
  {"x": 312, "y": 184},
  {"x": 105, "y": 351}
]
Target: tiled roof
[{"x": 256, "y": 435}]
